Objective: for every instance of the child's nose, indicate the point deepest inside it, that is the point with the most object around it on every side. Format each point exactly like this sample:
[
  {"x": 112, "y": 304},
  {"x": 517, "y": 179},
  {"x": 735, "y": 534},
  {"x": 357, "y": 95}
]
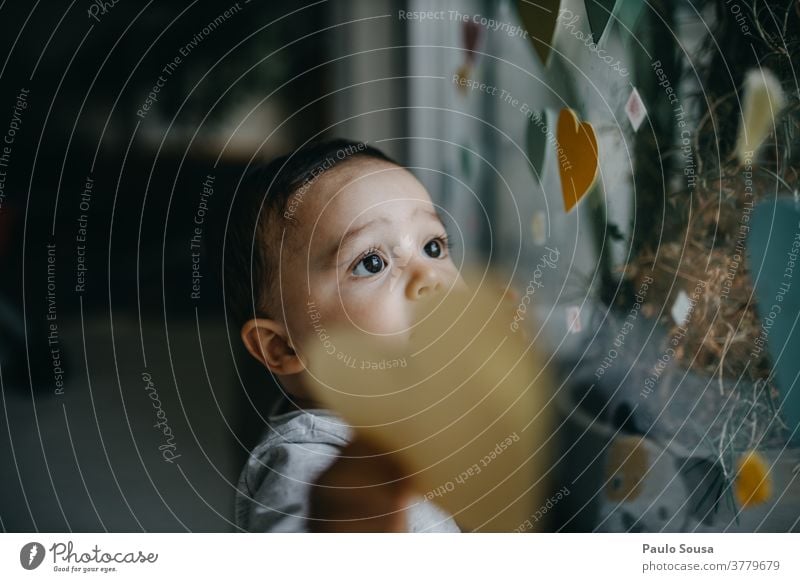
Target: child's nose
[{"x": 424, "y": 280}]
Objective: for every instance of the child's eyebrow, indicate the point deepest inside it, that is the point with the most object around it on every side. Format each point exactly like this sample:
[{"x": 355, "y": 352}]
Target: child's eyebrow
[
  {"x": 429, "y": 211},
  {"x": 352, "y": 233},
  {"x": 334, "y": 249}
]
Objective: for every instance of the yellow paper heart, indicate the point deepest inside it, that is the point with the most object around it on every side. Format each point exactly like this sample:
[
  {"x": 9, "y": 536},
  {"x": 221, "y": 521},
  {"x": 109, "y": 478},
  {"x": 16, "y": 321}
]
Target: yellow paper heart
[
  {"x": 753, "y": 485},
  {"x": 463, "y": 72},
  {"x": 465, "y": 414},
  {"x": 577, "y": 157}
]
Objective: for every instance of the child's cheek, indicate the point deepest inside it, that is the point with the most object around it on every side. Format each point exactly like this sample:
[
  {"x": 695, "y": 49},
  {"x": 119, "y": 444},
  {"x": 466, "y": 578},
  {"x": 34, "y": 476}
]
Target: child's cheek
[{"x": 382, "y": 314}]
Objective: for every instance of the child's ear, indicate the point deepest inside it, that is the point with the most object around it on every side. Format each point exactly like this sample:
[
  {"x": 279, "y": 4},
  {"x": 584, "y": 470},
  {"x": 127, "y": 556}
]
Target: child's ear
[{"x": 268, "y": 342}]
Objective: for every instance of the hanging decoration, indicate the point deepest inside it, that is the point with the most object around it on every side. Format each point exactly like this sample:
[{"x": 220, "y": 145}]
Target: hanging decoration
[
  {"x": 763, "y": 101},
  {"x": 599, "y": 13},
  {"x": 539, "y": 19},
  {"x": 536, "y": 138},
  {"x": 635, "y": 110},
  {"x": 577, "y": 157},
  {"x": 471, "y": 33},
  {"x": 774, "y": 257}
]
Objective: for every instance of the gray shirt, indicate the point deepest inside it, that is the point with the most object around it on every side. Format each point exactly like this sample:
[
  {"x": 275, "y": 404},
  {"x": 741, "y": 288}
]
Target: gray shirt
[{"x": 274, "y": 487}]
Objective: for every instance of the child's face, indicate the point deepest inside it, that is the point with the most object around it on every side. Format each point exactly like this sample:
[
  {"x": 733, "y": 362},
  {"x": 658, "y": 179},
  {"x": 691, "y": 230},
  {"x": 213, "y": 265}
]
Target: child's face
[{"x": 368, "y": 247}]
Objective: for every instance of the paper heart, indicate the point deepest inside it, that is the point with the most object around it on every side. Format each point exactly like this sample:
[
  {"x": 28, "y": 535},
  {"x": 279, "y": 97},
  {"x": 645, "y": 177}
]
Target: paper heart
[
  {"x": 539, "y": 19},
  {"x": 577, "y": 155},
  {"x": 463, "y": 72},
  {"x": 471, "y": 37},
  {"x": 753, "y": 485},
  {"x": 462, "y": 409},
  {"x": 763, "y": 101}
]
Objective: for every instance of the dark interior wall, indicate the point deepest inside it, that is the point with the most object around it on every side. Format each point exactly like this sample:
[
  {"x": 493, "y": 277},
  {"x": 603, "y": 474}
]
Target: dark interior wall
[{"x": 102, "y": 340}]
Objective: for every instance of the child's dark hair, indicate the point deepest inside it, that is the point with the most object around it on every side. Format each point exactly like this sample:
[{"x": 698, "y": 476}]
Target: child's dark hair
[{"x": 260, "y": 205}]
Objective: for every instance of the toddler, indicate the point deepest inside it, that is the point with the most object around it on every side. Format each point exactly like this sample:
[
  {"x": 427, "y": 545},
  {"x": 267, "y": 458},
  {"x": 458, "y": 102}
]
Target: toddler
[{"x": 334, "y": 234}]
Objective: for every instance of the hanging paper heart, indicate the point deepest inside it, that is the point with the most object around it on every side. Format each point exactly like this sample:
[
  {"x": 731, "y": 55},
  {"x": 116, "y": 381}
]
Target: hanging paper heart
[
  {"x": 463, "y": 72},
  {"x": 539, "y": 19},
  {"x": 773, "y": 251},
  {"x": 599, "y": 13},
  {"x": 577, "y": 155},
  {"x": 471, "y": 36},
  {"x": 537, "y": 143},
  {"x": 763, "y": 100},
  {"x": 753, "y": 485}
]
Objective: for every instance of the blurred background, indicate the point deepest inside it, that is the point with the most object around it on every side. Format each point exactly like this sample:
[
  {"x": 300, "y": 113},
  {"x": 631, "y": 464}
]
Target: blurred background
[{"x": 122, "y": 113}]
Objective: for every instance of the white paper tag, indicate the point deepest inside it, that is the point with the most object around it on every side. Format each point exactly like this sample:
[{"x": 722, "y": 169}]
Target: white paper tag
[
  {"x": 681, "y": 307},
  {"x": 574, "y": 319},
  {"x": 539, "y": 228},
  {"x": 635, "y": 109}
]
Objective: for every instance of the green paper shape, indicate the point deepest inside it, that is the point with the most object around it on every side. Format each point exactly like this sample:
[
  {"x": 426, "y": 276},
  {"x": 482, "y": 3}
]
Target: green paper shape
[
  {"x": 627, "y": 13},
  {"x": 539, "y": 18},
  {"x": 774, "y": 257},
  {"x": 536, "y": 142},
  {"x": 599, "y": 13},
  {"x": 466, "y": 162}
]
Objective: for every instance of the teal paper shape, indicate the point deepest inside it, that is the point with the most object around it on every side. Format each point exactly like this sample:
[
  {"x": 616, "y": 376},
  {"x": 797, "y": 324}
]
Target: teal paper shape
[
  {"x": 774, "y": 257},
  {"x": 536, "y": 142},
  {"x": 466, "y": 162},
  {"x": 627, "y": 13},
  {"x": 599, "y": 13}
]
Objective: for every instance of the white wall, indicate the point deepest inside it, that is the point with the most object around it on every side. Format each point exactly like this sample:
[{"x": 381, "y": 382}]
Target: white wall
[{"x": 576, "y": 78}]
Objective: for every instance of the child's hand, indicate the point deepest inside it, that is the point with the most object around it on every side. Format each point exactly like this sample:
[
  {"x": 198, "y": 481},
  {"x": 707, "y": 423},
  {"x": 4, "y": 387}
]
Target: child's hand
[{"x": 360, "y": 492}]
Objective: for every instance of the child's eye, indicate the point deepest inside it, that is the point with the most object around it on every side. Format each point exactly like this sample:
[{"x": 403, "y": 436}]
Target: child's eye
[
  {"x": 435, "y": 248},
  {"x": 371, "y": 264}
]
